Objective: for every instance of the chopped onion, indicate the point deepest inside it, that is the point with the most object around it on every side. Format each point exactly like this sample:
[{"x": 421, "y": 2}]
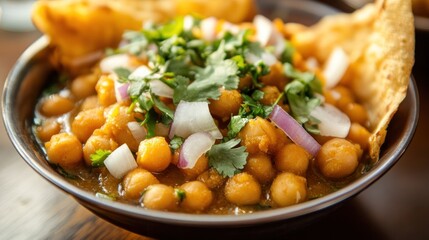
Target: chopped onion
[
  {"x": 140, "y": 73},
  {"x": 312, "y": 63},
  {"x": 109, "y": 64},
  {"x": 138, "y": 131},
  {"x": 294, "y": 130},
  {"x": 162, "y": 129},
  {"x": 264, "y": 29},
  {"x": 193, "y": 117},
  {"x": 120, "y": 161},
  {"x": 193, "y": 148},
  {"x": 230, "y": 27},
  {"x": 208, "y": 28},
  {"x": 333, "y": 122},
  {"x": 267, "y": 58},
  {"x": 335, "y": 67},
  {"x": 188, "y": 23},
  {"x": 279, "y": 44},
  {"x": 161, "y": 89},
  {"x": 121, "y": 91}
]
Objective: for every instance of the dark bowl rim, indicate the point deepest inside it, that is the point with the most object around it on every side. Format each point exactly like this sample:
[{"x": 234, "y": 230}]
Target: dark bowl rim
[{"x": 207, "y": 220}]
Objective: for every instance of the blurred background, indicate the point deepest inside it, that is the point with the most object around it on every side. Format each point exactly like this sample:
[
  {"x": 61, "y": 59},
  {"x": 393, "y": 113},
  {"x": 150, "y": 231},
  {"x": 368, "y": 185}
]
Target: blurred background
[{"x": 395, "y": 207}]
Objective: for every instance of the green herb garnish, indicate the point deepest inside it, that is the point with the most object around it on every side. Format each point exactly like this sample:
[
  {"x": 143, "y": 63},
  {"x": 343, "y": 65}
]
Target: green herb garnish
[
  {"x": 97, "y": 158},
  {"x": 226, "y": 159}
]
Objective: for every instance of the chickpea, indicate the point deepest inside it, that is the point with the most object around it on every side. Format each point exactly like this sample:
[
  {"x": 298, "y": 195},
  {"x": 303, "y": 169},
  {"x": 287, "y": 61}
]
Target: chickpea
[
  {"x": 160, "y": 197},
  {"x": 48, "y": 128},
  {"x": 338, "y": 158},
  {"x": 360, "y": 135},
  {"x": 292, "y": 158},
  {"x": 227, "y": 105},
  {"x": 356, "y": 112},
  {"x": 56, "y": 105},
  {"x": 342, "y": 96},
  {"x": 211, "y": 178},
  {"x": 198, "y": 196},
  {"x": 259, "y": 135},
  {"x": 105, "y": 88},
  {"x": 245, "y": 82},
  {"x": 64, "y": 149},
  {"x": 136, "y": 181},
  {"x": 276, "y": 77},
  {"x": 243, "y": 189},
  {"x": 288, "y": 189},
  {"x": 86, "y": 122},
  {"x": 84, "y": 86},
  {"x": 271, "y": 94},
  {"x": 90, "y": 103},
  {"x": 117, "y": 124},
  {"x": 154, "y": 154},
  {"x": 201, "y": 165},
  {"x": 98, "y": 140},
  {"x": 261, "y": 167}
]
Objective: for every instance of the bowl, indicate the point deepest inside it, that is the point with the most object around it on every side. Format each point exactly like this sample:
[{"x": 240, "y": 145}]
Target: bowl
[{"x": 25, "y": 83}]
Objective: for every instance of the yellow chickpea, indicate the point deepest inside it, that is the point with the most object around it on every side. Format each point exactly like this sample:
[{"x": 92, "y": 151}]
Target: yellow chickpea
[
  {"x": 90, "y": 103},
  {"x": 276, "y": 77},
  {"x": 105, "y": 88},
  {"x": 56, "y": 105},
  {"x": 160, "y": 197},
  {"x": 245, "y": 82},
  {"x": 338, "y": 158},
  {"x": 227, "y": 105},
  {"x": 243, "y": 189},
  {"x": 360, "y": 135},
  {"x": 198, "y": 196},
  {"x": 84, "y": 86},
  {"x": 288, "y": 189},
  {"x": 64, "y": 149},
  {"x": 259, "y": 135},
  {"x": 117, "y": 124},
  {"x": 261, "y": 167},
  {"x": 154, "y": 154},
  {"x": 136, "y": 181},
  {"x": 48, "y": 128},
  {"x": 292, "y": 158},
  {"x": 211, "y": 178},
  {"x": 356, "y": 112},
  {"x": 98, "y": 141},
  {"x": 271, "y": 94},
  {"x": 86, "y": 122},
  {"x": 201, "y": 165},
  {"x": 342, "y": 96}
]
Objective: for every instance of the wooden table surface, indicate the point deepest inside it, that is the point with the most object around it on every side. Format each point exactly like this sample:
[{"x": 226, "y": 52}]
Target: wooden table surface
[{"x": 395, "y": 207}]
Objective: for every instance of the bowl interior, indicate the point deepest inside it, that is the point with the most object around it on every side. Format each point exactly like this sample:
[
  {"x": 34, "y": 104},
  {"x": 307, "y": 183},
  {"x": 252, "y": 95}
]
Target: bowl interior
[{"x": 24, "y": 85}]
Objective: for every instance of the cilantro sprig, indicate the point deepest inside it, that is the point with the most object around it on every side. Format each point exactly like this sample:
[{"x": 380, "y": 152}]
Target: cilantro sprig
[
  {"x": 97, "y": 158},
  {"x": 227, "y": 159}
]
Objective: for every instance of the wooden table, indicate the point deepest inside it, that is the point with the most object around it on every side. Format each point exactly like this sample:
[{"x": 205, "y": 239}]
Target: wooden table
[{"x": 395, "y": 207}]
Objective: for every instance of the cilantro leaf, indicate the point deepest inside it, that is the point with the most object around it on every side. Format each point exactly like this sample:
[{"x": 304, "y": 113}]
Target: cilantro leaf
[
  {"x": 235, "y": 125},
  {"x": 123, "y": 74},
  {"x": 301, "y": 96},
  {"x": 226, "y": 159},
  {"x": 162, "y": 107},
  {"x": 180, "y": 193},
  {"x": 97, "y": 158},
  {"x": 176, "y": 143},
  {"x": 150, "y": 122}
]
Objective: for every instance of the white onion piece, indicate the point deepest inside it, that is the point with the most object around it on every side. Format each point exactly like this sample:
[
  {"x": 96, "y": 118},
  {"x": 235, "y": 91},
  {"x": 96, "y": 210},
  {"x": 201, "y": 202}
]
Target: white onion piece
[
  {"x": 294, "y": 130},
  {"x": 208, "y": 28},
  {"x": 121, "y": 91},
  {"x": 267, "y": 58},
  {"x": 161, "y": 89},
  {"x": 193, "y": 117},
  {"x": 279, "y": 44},
  {"x": 312, "y": 63},
  {"x": 188, "y": 23},
  {"x": 333, "y": 122},
  {"x": 140, "y": 73},
  {"x": 109, "y": 64},
  {"x": 193, "y": 148},
  {"x": 138, "y": 131},
  {"x": 230, "y": 27},
  {"x": 162, "y": 129},
  {"x": 120, "y": 161},
  {"x": 335, "y": 67},
  {"x": 264, "y": 29}
]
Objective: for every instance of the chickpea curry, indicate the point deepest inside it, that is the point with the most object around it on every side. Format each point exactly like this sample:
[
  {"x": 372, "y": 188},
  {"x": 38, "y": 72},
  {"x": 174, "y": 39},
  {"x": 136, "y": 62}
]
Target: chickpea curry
[{"x": 206, "y": 116}]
